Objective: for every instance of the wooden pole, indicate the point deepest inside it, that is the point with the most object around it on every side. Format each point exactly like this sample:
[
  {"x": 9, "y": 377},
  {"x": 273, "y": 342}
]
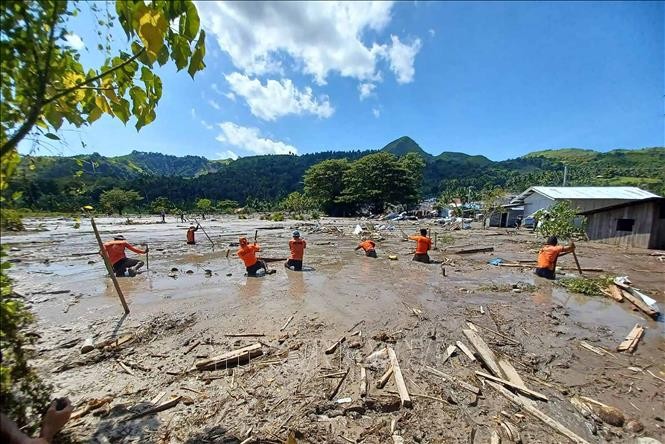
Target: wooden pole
[
  {"x": 204, "y": 232},
  {"x": 579, "y": 269},
  {"x": 147, "y": 257},
  {"x": 109, "y": 268}
]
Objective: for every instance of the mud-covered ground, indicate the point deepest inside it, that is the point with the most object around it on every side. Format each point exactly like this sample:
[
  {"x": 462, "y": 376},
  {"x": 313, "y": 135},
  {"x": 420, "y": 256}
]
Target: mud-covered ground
[{"x": 289, "y": 391}]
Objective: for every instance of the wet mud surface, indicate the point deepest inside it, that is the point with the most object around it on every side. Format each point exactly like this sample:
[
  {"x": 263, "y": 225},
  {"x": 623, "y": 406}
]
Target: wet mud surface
[{"x": 289, "y": 390}]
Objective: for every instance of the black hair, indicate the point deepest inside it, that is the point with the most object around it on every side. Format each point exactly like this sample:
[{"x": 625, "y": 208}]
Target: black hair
[
  {"x": 552, "y": 240},
  {"x": 423, "y": 231}
]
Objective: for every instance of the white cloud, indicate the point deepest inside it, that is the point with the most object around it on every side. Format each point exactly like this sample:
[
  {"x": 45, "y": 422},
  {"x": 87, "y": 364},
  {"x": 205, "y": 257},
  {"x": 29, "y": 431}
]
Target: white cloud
[
  {"x": 366, "y": 90},
  {"x": 206, "y": 125},
  {"x": 250, "y": 139},
  {"x": 214, "y": 104},
  {"x": 74, "y": 41},
  {"x": 320, "y": 37},
  {"x": 278, "y": 98},
  {"x": 228, "y": 154},
  {"x": 193, "y": 113},
  {"x": 432, "y": 32},
  {"x": 215, "y": 88},
  {"x": 230, "y": 96},
  {"x": 401, "y": 57},
  {"x": 376, "y": 112}
]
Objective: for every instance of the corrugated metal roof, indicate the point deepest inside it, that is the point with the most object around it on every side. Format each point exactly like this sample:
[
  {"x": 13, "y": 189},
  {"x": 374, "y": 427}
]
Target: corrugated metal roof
[{"x": 623, "y": 193}]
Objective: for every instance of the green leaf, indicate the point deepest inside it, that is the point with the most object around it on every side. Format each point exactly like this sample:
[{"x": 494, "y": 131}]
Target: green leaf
[
  {"x": 152, "y": 27},
  {"x": 196, "y": 63},
  {"x": 191, "y": 23},
  {"x": 121, "y": 110},
  {"x": 94, "y": 114},
  {"x": 163, "y": 56},
  {"x": 181, "y": 51},
  {"x": 51, "y": 136},
  {"x": 16, "y": 195}
]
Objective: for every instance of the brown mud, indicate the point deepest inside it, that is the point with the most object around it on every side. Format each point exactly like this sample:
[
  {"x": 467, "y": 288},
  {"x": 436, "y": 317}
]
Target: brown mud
[{"x": 412, "y": 307}]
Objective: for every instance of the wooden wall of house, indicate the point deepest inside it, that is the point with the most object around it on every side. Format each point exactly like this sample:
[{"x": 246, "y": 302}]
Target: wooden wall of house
[
  {"x": 658, "y": 232},
  {"x": 602, "y": 226}
]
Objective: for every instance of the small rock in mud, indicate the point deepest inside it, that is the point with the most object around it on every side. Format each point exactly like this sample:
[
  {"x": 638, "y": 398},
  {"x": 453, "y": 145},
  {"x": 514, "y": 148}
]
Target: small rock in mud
[
  {"x": 91, "y": 262},
  {"x": 14, "y": 260},
  {"x": 517, "y": 290},
  {"x": 189, "y": 271},
  {"x": 355, "y": 343},
  {"x": 208, "y": 272},
  {"x": 174, "y": 268},
  {"x": 14, "y": 249},
  {"x": 229, "y": 274},
  {"x": 173, "y": 274},
  {"x": 634, "y": 426}
]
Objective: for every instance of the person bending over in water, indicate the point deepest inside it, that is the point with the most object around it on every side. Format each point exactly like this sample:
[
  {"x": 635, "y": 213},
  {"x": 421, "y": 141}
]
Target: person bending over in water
[
  {"x": 247, "y": 252},
  {"x": 368, "y": 246},
  {"x": 297, "y": 247},
  {"x": 120, "y": 262},
  {"x": 548, "y": 255}
]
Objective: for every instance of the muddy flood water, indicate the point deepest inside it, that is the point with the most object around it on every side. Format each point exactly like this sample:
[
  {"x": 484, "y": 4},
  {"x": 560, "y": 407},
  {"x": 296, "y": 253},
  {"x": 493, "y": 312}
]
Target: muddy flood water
[{"x": 320, "y": 337}]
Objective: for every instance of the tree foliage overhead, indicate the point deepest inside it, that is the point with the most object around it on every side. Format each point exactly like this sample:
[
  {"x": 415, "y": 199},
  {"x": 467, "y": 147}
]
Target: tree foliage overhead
[
  {"x": 44, "y": 84},
  {"x": 324, "y": 182},
  {"x": 560, "y": 220}
]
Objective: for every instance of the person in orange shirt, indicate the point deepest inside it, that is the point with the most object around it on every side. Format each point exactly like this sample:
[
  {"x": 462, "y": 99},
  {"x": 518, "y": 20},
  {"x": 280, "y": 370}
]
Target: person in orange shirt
[
  {"x": 297, "y": 247},
  {"x": 548, "y": 255},
  {"x": 247, "y": 252},
  {"x": 423, "y": 245},
  {"x": 368, "y": 246},
  {"x": 115, "y": 250},
  {"x": 190, "y": 234}
]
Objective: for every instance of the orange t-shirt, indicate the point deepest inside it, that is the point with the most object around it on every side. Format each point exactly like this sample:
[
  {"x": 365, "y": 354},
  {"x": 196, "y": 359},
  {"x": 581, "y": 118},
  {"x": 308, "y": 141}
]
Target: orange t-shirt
[
  {"x": 297, "y": 247},
  {"x": 116, "y": 250},
  {"x": 423, "y": 244},
  {"x": 248, "y": 254},
  {"x": 548, "y": 255},
  {"x": 190, "y": 235},
  {"x": 367, "y": 245}
]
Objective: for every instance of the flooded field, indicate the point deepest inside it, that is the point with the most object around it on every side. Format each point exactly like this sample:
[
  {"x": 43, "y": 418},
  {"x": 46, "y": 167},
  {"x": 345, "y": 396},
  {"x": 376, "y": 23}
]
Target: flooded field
[{"x": 180, "y": 317}]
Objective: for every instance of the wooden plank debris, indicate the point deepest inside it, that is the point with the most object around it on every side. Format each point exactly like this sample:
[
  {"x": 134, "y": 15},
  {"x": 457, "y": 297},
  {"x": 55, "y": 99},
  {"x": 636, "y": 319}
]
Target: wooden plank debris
[
  {"x": 158, "y": 408},
  {"x": 449, "y": 352},
  {"x": 495, "y": 438},
  {"x": 330, "y": 350},
  {"x": 630, "y": 343},
  {"x": 125, "y": 368},
  {"x": 399, "y": 379},
  {"x": 334, "y": 391},
  {"x": 363, "y": 382},
  {"x": 538, "y": 414},
  {"x": 513, "y": 376},
  {"x": 640, "y": 304},
  {"x": 230, "y": 359},
  {"x": 475, "y": 250},
  {"x": 501, "y": 335},
  {"x": 244, "y": 335},
  {"x": 192, "y": 347},
  {"x": 465, "y": 385},
  {"x": 383, "y": 380},
  {"x": 288, "y": 321},
  {"x": 486, "y": 354},
  {"x": 615, "y": 293},
  {"x": 517, "y": 387},
  {"x": 466, "y": 350}
]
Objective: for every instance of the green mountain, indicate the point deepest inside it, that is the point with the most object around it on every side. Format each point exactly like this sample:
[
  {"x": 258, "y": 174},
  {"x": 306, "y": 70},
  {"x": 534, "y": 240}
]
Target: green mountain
[
  {"x": 65, "y": 183},
  {"x": 404, "y": 145}
]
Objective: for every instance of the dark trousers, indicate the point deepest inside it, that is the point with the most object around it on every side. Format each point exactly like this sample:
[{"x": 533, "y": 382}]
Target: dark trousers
[
  {"x": 252, "y": 269},
  {"x": 296, "y": 264},
  {"x": 370, "y": 253},
  {"x": 424, "y": 258},
  {"x": 120, "y": 267},
  {"x": 545, "y": 273}
]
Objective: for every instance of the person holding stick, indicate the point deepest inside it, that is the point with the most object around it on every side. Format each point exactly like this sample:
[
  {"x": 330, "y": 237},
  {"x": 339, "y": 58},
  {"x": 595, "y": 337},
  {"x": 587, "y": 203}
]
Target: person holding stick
[
  {"x": 190, "y": 234},
  {"x": 115, "y": 250},
  {"x": 54, "y": 420},
  {"x": 548, "y": 255},
  {"x": 423, "y": 245},
  {"x": 297, "y": 247},
  {"x": 247, "y": 252}
]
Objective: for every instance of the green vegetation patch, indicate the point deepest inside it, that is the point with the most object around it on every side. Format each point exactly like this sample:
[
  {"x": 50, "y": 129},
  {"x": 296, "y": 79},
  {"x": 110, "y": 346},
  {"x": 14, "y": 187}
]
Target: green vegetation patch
[{"x": 587, "y": 286}]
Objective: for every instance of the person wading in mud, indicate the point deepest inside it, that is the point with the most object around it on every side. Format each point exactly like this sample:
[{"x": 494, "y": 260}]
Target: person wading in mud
[
  {"x": 190, "y": 234},
  {"x": 368, "y": 246},
  {"x": 247, "y": 252},
  {"x": 423, "y": 245},
  {"x": 297, "y": 247},
  {"x": 548, "y": 255},
  {"x": 121, "y": 263}
]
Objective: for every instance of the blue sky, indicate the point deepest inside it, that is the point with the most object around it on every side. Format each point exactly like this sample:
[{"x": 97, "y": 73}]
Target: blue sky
[{"x": 497, "y": 79}]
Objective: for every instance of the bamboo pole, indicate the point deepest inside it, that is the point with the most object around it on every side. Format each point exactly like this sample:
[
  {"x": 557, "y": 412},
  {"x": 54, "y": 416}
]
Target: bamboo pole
[
  {"x": 204, "y": 232},
  {"x": 579, "y": 269},
  {"x": 109, "y": 268}
]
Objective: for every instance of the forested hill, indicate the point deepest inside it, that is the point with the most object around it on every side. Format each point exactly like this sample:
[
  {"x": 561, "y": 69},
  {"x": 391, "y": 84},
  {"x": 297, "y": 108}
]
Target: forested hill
[{"x": 64, "y": 182}]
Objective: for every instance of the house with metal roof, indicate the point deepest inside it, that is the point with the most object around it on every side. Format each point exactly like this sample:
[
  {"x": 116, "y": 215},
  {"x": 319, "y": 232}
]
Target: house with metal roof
[{"x": 583, "y": 198}]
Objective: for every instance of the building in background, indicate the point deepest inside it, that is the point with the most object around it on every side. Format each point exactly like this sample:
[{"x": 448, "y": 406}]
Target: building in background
[
  {"x": 638, "y": 224},
  {"x": 583, "y": 198}
]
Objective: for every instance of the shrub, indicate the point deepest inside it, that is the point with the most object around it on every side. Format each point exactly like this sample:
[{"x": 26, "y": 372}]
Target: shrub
[
  {"x": 277, "y": 217},
  {"x": 588, "y": 286},
  {"x": 10, "y": 220}
]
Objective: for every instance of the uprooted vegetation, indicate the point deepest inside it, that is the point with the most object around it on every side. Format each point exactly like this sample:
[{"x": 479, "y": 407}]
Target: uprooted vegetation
[{"x": 590, "y": 286}]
